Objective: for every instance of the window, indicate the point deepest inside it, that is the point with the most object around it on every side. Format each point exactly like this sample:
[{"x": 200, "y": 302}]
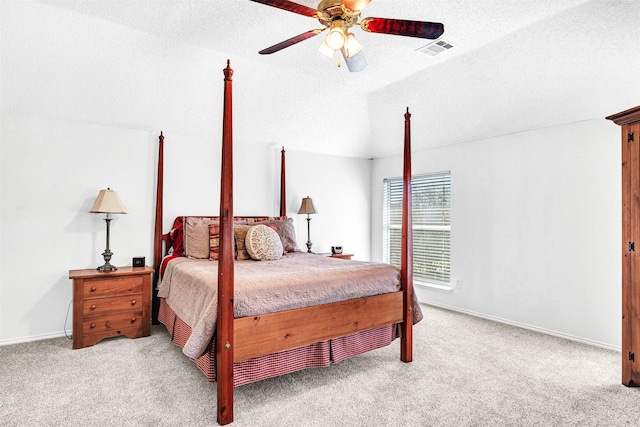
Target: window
[{"x": 431, "y": 225}]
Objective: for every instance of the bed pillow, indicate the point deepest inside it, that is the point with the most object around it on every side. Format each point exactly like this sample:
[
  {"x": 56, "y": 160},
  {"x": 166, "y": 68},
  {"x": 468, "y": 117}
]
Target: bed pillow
[
  {"x": 196, "y": 237},
  {"x": 287, "y": 233},
  {"x": 214, "y": 240},
  {"x": 176, "y": 236},
  {"x": 263, "y": 243},
  {"x": 256, "y": 219},
  {"x": 240, "y": 232}
]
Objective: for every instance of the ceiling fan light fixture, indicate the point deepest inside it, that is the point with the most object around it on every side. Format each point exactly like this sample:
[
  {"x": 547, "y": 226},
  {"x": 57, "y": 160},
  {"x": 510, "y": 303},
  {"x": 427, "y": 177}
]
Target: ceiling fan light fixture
[
  {"x": 352, "y": 46},
  {"x": 326, "y": 50},
  {"x": 337, "y": 34},
  {"x": 355, "y": 62}
]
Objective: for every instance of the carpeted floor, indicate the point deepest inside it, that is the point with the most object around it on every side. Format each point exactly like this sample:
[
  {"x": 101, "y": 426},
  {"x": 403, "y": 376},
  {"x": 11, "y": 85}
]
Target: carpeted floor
[{"x": 466, "y": 372}]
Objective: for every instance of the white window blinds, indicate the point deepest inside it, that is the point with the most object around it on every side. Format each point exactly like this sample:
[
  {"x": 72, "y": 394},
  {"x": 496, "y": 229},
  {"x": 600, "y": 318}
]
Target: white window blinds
[{"x": 431, "y": 225}]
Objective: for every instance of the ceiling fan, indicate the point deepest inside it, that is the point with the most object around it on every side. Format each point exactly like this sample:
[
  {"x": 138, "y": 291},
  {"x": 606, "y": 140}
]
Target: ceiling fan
[{"x": 338, "y": 16}]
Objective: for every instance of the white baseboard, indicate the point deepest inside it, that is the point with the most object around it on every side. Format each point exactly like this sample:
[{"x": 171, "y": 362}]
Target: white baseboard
[
  {"x": 444, "y": 306},
  {"x": 34, "y": 338},
  {"x": 525, "y": 326}
]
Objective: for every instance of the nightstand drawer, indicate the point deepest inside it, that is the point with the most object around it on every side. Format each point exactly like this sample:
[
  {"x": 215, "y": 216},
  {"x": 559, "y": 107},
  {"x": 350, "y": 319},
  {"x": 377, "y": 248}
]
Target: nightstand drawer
[
  {"x": 113, "y": 286},
  {"x": 114, "y": 322},
  {"x": 98, "y": 306},
  {"x": 110, "y": 303}
]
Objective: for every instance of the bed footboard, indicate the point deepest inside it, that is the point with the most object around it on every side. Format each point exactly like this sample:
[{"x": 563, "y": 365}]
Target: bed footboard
[{"x": 271, "y": 333}]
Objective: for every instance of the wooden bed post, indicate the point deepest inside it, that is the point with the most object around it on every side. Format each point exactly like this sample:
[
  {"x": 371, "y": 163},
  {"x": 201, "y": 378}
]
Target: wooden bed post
[
  {"x": 157, "y": 233},
  {"x": 283, "y": 185},
  {"x": 406, "y": 248},
  {"x": 224, "y": 331}
]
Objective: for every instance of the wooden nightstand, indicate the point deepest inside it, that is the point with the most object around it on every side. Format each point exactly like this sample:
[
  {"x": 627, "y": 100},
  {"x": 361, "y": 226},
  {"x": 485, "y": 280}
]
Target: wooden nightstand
[
  {"x": 110, "y": 303},
  {"x": 341, "y": 256}
]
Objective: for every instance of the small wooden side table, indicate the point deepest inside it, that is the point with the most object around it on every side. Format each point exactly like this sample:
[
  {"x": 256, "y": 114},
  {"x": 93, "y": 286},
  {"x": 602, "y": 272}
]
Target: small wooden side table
[
  {"x": 110, "y": 303},
  {"x": 341, "y": 256}
]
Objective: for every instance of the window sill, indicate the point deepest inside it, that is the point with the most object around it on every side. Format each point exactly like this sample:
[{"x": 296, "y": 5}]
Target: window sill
[{"x": 433, "y": 287}]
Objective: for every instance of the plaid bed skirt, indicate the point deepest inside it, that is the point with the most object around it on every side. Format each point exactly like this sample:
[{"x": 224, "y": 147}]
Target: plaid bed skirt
[{"x": 284, "y": 362}]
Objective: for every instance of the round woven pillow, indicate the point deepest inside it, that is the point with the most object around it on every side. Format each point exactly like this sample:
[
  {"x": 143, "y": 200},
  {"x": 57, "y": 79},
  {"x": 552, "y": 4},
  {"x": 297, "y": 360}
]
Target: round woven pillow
[{"x": 263, "y": 243}]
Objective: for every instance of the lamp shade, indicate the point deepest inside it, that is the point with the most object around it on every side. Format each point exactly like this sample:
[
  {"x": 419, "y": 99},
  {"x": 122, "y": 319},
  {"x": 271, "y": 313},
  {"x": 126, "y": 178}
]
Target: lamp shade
[
  {"x": 108, "y": 202},
  {"x": 307, "y": 206}
]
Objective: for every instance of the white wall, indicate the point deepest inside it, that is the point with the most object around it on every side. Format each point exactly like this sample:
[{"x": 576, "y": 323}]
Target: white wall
[
  {"x": 340, "y": 188},
  {"x": 535, "y": 228},
  {"x": 52, "y": 171},
  {"x": 83, "y": 101}
]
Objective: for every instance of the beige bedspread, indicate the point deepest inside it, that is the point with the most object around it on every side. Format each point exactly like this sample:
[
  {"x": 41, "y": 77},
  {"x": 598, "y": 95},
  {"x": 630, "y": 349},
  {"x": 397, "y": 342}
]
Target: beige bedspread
[{"x": 298, "y": 279}]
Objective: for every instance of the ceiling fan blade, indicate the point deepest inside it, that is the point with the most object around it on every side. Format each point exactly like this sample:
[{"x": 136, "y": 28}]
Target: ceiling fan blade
[
  {"x": 403, "y": 27},
  {"x": 355, "y": 62},
  {"x": 289, "y": 6},
  {"x": 290, "y": 42},
  {"x": 356, "y": 4}
]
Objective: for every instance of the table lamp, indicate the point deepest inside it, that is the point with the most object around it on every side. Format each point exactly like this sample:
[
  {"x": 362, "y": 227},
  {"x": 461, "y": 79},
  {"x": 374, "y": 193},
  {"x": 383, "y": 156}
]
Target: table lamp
[
  {"x": 307, "y": 208},
  {"x": 108, "y": 203}
]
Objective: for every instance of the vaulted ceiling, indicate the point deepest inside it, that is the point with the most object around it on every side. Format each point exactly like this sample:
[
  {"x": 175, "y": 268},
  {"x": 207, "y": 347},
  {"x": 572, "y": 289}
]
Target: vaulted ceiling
[
  {"x": 244, "y": 27},
  {"x": 514, "y": 65}
]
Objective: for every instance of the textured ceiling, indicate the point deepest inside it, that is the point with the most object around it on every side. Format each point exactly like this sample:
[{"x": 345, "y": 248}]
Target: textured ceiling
[
  {"x": 242, "y": 27},
  {"x": 516, "y": 66}
]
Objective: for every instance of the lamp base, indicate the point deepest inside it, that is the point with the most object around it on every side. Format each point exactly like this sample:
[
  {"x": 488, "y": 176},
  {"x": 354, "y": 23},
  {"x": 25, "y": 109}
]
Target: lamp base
[
  {"x": 107, "y": 257},
  {"x": 107, "y": 267},
  {"x": 309, "y": 235}
]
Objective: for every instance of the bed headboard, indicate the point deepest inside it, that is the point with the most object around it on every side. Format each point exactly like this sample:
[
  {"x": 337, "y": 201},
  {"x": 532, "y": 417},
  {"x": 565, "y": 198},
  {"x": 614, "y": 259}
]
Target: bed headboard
[
  {"x": 162, "y": 241},
  {"x": 174, "y": 235}
]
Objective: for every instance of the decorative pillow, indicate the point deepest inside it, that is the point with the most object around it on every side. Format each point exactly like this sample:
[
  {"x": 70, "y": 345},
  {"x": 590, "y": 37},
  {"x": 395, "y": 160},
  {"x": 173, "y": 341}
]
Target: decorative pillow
[
  {"x": 214, "y": 241},
  {"x": 287, "y": 233},
  {"x": 263, "y": 243},
  {"x": 196, "y": 237},
  {"x": 264, "y": 218},
  {"x": 176, "y": 236},
  {"x": 274, "y": 228},
  {"x": 241, "y": 234}
]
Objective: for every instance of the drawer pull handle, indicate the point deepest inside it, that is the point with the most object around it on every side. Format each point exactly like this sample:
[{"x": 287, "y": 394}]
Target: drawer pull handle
[
  {"x": 93, "y": 325},
  {"x": 93, "y": 307},
  {"x": 108, "y": 324},
  {"x": 133, "y": 302},
  {"x": 133, "y": 320},
  {"x": 93, "y": 289}
]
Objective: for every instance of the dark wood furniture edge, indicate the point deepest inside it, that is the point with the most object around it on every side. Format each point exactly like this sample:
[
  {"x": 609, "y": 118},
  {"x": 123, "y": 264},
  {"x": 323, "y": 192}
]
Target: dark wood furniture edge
[
  {"x": 224, "y": 325},
  {"x": 158, "y": 238},
  {"x": 283, "y": 184},
  {"x": 632, "y": 115},
  {"x": 275, "y": 332},
  {"x": 630, "y": 180},
  {"x": 121, "y": 271},
  {"x": 406, "y": 249},
  {"x": 81, "y": 339}
]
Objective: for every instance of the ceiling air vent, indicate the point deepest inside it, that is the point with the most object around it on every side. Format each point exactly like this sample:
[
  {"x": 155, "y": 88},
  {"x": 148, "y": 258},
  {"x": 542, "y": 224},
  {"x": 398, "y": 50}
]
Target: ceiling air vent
[{"x": 435, "y": 47}]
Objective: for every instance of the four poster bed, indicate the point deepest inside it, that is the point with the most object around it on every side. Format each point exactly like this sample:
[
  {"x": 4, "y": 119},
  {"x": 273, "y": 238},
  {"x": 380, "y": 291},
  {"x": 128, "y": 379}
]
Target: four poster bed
[{"x": 243, "y": 320}]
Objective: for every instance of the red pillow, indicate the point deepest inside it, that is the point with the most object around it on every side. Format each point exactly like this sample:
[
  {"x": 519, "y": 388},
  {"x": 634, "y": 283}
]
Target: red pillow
[
  {"x": 176, "y": 236},
  {"x": 214, "y": 243},
  {"x": 274, "y": 228}
]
